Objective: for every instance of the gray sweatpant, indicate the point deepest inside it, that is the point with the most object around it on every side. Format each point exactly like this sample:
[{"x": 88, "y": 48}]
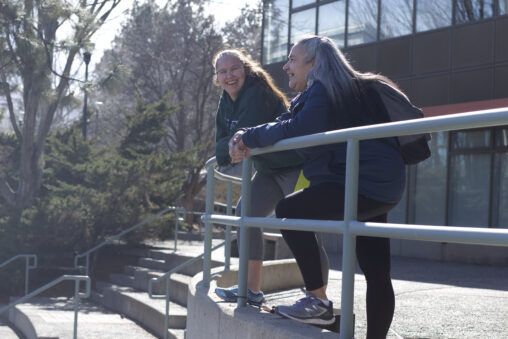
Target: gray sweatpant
[{"x": 266, "y": 192}]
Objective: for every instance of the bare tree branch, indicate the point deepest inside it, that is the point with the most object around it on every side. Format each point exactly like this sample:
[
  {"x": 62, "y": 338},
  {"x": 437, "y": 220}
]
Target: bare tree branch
[{"x": 10, "y": 106}]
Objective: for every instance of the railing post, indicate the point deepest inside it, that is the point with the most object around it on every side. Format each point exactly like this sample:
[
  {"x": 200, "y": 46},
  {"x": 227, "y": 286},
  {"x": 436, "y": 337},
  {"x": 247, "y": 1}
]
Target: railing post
[
  {"x": 76, "y": 304},
  {"x": 27, "y": 273},
  {"x": 166, "y": 317},
  {"x": 349, "y": 241},
  {"x": 229, "y": 209},
  {"x": 176, "y": 227},
  {"x": 244, "y": 233},
  {"x": 207, "y": 257}
]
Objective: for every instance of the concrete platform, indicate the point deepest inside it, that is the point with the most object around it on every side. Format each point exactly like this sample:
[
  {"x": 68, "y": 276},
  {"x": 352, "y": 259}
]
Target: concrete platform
[{"x": 434, "y": 300}]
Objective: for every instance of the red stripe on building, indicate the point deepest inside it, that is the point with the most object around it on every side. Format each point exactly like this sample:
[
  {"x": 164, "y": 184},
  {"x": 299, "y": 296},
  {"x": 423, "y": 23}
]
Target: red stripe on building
[{"x": 433, "y": 111}]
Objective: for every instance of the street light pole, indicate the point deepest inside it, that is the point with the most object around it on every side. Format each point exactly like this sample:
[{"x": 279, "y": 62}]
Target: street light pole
[{"x": 86, "y": 57}]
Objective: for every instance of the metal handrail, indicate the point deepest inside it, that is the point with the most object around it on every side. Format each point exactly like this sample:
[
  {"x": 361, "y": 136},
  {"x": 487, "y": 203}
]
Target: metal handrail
[
  {"x": 77, "y": 295},
  {"x": 28, "y": 266},
  {"x": 167, "y": 276},
  {"x": 113, "y": 238},
  {"x": 350, "y": 227}
]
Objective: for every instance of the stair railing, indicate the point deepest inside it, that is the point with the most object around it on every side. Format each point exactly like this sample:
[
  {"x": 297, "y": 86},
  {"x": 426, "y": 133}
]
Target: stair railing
[
  {"x": 86, "y": 254},
  {"x": 167, "y": 277},
  {"x": 29, "y": 264},
  {"x": 77, "y": 295}
]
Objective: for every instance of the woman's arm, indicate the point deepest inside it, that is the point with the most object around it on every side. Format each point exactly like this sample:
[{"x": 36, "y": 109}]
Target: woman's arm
[
  {"x": 315, "y": 116},
  {"x": 256, "y": 106}
]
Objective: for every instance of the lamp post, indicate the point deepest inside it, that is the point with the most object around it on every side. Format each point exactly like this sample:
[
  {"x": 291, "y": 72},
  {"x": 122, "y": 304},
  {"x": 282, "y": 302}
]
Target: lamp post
[{"x": 86, "y": 57}]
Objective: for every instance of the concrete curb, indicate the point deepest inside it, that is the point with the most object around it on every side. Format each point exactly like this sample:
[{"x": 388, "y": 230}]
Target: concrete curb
[{"x": 206, "y": 313}]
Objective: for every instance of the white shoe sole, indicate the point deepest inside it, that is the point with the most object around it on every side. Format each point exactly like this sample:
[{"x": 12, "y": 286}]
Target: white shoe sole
[{"x": 311, "y": 321}]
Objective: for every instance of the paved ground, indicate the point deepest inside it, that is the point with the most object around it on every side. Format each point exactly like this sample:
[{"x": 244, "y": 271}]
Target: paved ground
[
  {"x": 55, "y": 317},
  {"x": 433, "y": 300}
]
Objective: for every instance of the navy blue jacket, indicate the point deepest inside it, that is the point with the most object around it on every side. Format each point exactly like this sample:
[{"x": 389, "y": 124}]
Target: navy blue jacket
[{"x": 382, "y": 169}]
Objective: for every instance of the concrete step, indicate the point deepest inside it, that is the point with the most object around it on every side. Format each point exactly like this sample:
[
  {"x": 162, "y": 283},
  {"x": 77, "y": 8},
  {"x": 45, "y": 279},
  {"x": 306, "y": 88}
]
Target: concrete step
[
  {"x": 54, "y": 318},
  {"x": 178, "y": 287},
  {"x": 174, "y": 259},
  {"x": 139, "y": 307},
  {"x": 7, "y": 331},
  {"x": 156, "y": 264}
]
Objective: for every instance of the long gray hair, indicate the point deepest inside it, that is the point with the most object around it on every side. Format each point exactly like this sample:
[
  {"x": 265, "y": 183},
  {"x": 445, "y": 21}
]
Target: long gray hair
[{"x": 333, "y": 70}]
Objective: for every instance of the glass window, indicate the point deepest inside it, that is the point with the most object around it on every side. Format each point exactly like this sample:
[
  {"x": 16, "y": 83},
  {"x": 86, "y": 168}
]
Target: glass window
[
  {"x": 502, "y": 137},
  {"x": 472, "y": 10},
  {"x": 299, "y": 3},
  {"x": 303, "y": 23},
  {"x": 332, "y": 21},
  {"x": 500, "y": 194},
  {"x": 275, "y": 32},
  {"x": 430, "y": 191},
  {"x": 469, "y": 190},
  {"x": 362, "y": 25},
  {"x": 432, "y": 14},
  {"x": 503, "y": 7},
  {"x": 396, "y": 18},
  {"x": 398, "y": 214},
  {"x": 471, "y": 139}
]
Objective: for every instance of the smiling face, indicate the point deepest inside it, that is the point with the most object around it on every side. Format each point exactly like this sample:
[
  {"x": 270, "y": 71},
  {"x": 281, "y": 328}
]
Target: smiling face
[
  {"x": 230, "y": 74},
  {"x": 297, "y": 68}
]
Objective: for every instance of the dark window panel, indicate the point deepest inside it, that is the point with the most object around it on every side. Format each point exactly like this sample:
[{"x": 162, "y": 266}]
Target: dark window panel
[
  {"x": 502, "y": 40},
  {"x": 473, "y": 45},
  {"x": 501, "y": 82},
  {"x": 395, "y": 57},
  {"x": 469, "y": 190},
  {"x": 432, "y": 52},
  {"x": 363, "y": 58},
  {"x": 430, "y": 191},
  {"x": 470, "y": 139},
  {"x": 279, "y": 76},
  {"x": 472, "y": 85},
  {"x": 431, "y": 91}
]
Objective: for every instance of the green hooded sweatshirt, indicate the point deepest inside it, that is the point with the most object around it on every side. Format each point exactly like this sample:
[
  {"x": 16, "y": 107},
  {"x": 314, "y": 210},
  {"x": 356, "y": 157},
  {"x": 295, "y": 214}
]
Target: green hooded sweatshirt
[{"x": 254, "y": 105}]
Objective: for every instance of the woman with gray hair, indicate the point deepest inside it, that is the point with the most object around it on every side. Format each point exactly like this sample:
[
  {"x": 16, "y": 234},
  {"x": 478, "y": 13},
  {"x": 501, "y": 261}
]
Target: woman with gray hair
[{"x": 333, "y": 96}]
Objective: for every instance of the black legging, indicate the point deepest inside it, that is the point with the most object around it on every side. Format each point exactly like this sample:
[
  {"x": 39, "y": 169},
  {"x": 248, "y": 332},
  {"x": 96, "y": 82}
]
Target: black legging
[{"x": 326, "y": 202}]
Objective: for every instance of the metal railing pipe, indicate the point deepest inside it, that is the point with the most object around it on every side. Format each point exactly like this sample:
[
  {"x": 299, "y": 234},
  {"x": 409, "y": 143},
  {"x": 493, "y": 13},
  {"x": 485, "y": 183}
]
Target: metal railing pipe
[
  {"x": 210, "y": 192},
  {"x": 485, "y": 118},
  {"x": 349, "y": 240},
  {"x": 28, "y": 266},
  {"x": 327, "y": 226},
  {"x": 452, "y": 234},
  {"x": 77, "y": 295},
  {"x": 244, "y": 243},
  {"x": 229, "y": 210}
]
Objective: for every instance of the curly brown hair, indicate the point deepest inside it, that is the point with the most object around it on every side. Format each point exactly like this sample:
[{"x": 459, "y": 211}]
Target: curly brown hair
[{"x": 252, "y": 69}]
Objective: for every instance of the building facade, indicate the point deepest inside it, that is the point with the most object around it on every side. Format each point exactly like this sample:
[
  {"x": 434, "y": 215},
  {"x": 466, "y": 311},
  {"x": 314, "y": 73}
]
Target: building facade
[{"x": 449, "y": 56}]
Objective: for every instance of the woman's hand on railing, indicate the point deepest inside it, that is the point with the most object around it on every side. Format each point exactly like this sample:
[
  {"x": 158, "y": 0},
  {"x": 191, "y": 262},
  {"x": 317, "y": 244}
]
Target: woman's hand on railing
[{"x": 237, "y": 149}]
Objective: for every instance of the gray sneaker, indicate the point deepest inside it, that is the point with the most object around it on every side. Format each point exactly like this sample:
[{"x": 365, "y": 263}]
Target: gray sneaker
[
  {"x": 309, "y": 310},
  {"x": 231, "y": 294}
]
